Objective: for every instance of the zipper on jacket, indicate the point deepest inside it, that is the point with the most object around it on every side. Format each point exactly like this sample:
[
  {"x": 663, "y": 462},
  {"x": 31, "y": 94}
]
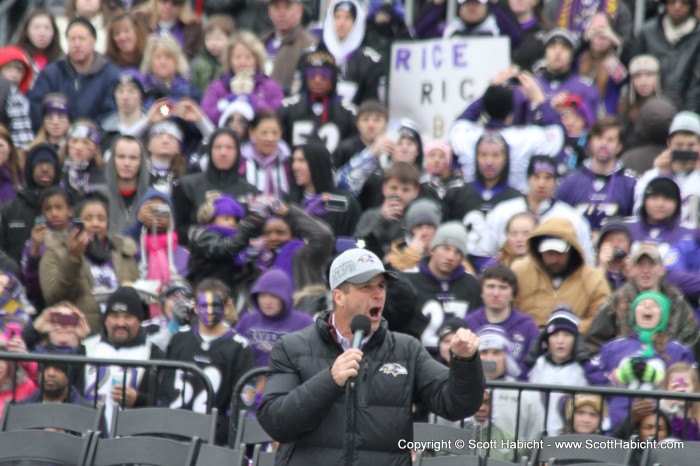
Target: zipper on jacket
[
  {"x": 363, "y": 389},
  {"x": 350, "y": 424}
]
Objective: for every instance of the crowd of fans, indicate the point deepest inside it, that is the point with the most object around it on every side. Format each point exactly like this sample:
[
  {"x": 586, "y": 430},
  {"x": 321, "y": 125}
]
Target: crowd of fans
[{"x": 176, "y": 176}]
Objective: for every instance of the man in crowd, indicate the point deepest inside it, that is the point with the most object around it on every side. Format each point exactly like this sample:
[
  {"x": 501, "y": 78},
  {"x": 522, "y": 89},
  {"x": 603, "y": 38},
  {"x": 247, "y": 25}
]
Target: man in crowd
[
  {"x": 367, "y": 392},
  {"x": 444, "y": 288},
  {"x": 647, "y": 274},
  {"x": 87, "y": 77},
  {"x": 554, "y": 272},
  {"x": 499, "y": 287}
]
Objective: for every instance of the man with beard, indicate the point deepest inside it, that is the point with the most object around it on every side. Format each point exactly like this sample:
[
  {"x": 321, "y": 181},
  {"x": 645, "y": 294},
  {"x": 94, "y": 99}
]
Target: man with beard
[
  {"x": 56, "y": 380},
  {"x": 122, "y": 337},
  {"x": 41, "y": 169},
  {"x": 608, "y": 190},
  {"x": 554, "y": 272},
  {"x": 216, "y": 348},
  {"x": 471, "y": 202}
]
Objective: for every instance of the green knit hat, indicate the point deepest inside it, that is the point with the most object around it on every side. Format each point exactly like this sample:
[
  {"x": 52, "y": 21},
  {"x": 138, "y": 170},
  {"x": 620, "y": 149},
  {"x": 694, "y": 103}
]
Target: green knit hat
[{"x": 645, "y": 335}]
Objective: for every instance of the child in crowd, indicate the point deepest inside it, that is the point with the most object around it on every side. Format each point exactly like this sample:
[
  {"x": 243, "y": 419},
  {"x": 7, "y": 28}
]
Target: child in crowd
[
  {"x": 561, "y": 360},
  {"x": 15, "y": 386},
  {"x": 56, "y": 212},
  {"x": 372, "y": 118},
  {"x": 639, "y": 361},
  {"x": 16, "y": 76},
  {"x": 207, "y": 65},
  {"x": 682, "y": 377},
  {"x": 585, "y": 413},
  {"x": 39, "y": 37},
  {"x": 271, "y": 315},
  {"x": 499, "y": 364},
  {"x": 83, "y": 165},
  {"x": 421, "y": 221},
  {"x": 216, "y": 246},
  {"x": 55, "y": 122},
  {"x": 438, "y": 172}
]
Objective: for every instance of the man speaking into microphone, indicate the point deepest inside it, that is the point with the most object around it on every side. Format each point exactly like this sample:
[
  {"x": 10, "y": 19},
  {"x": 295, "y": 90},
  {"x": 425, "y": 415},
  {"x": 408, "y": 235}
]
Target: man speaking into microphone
[{"x": 333, "y": 401}]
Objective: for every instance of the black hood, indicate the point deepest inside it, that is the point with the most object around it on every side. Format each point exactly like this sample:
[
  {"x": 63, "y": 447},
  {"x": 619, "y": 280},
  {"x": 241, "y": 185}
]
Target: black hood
[
  {"x": 213, "y": 172},
  {"x": 43, "y": 150}
]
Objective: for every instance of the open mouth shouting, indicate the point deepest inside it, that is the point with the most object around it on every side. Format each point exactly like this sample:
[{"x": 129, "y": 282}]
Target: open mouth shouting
[{"x": 375, "y": 314}]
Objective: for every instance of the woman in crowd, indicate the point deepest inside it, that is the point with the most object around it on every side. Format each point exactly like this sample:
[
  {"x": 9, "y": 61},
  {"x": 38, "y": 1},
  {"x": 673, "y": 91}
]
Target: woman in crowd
[
  {"x": 645, "y": 83},
  {"x": 87, "y": 260},
  {"x": 55, "y": 122},
  {"x": 39, "y": 38},
  {"x": 173, "y": 18},
  {"x": 266, "y": 163},
  {"x": 244, "y": 60},
  {"x": 10, "y": 170},
  {"x": 126, "y": 41},
  {"x": 83, "y": 164},
  {"x": 166, "y": 72}
]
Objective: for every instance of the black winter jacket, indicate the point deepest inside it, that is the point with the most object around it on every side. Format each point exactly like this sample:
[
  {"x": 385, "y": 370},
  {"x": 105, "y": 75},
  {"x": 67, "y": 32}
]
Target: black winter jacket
[{"x": 317, "y": 423}]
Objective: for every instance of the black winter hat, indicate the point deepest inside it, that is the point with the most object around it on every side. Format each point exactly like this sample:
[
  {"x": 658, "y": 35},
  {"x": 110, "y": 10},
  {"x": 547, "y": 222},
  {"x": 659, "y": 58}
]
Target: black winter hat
[{"x": 125, "y": 299}]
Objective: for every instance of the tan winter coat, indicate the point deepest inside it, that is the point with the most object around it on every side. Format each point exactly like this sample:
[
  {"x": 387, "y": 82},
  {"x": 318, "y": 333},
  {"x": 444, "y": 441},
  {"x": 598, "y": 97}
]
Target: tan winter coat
[
  {"x": 584, "y": 289},
  {"x": 64, "y": 278}
]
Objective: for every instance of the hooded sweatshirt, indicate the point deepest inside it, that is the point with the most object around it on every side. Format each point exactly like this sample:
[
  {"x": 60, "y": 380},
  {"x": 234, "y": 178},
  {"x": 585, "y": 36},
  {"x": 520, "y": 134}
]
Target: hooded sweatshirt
[
  {"x": 582, "y": 287},
  {"x": 320, "y": 167},
  {"x": 263, "y": 331},
  {"x": 122, "y": 206},
  {"x": 191, "y": 190},
  {"x": 18, "y": 216}
]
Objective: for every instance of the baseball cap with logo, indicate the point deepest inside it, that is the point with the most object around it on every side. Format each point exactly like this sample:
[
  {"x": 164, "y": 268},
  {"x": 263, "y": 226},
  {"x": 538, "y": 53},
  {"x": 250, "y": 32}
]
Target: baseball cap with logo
[
  {"x": 646, "y": 250},
  {"x": 357, "y": 266}
]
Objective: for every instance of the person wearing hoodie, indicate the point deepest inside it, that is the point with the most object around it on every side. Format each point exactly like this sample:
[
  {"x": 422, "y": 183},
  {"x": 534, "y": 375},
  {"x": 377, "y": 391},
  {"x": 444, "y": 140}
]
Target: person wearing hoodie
[
  {"x": 317, "y": 112},
  {"x": 126, "y": 181},
  {"x": 220, "y": 175},
  {"x": 601, "y": 188},
  {"x": 659, "y": 223},
  {"x": 471, "y": 202},
  {"x": 499, "y": 287},
  {"x": 362, "y": 72},
  {"x": 650, "y": 135},
  {"x": 683, "y": 135},
  {"x": 216, "y": 246},
  {"x": 558, "y": 358},
  {"x": 87, "y": 77},
  {"x": 555, "y": 272},
  {"x": 313, "y": 189},
  {"x": 639, "y": 360},
  {"x": 443, "y": 287},
  {"x": 15, "y": 79},
  {"x": 612, "y": 320},
  {"x": 523, "y": 139},
  {"x": 272, "y": 314},
  {"x": 41, "y": 169}
]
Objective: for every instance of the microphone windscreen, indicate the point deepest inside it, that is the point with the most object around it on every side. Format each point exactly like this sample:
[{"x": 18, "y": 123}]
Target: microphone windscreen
[{"x": 361, "y": 323}]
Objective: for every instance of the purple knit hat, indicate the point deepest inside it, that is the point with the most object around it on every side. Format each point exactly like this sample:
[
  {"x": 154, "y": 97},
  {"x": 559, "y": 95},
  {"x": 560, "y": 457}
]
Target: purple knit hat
[
  {"x": 226, "y": 205},
  {"x": 562, "y": 318}
]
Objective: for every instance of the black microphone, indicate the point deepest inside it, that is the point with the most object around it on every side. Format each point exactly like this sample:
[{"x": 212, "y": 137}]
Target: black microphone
[{"x": 360, "y": 326}]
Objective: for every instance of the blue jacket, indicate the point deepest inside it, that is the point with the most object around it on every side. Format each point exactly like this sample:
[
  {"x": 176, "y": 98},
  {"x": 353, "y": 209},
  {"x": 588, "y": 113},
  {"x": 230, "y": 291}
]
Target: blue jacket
[{"x": 91, "y": 94}]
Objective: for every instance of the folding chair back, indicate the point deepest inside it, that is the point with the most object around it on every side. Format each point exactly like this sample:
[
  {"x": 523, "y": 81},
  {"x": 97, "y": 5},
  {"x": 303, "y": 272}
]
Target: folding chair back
[
  {"x": 64, "y": 416},
  {"x": 450, "y": 438},
  {"x": 452, "y": 460},
  {"x": 179, "y": 423},
  {"x": 249, "y": 431},
  {"x": 210, "y": 455},
  {"x": 46, "y": 446},
  {"x": 154, "y": 451}
]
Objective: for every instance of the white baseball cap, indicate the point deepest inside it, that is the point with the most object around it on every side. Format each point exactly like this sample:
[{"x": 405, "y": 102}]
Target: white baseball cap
[
  {"x": 357, "y": 266},
  {"x": 554, "y": 244}
]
